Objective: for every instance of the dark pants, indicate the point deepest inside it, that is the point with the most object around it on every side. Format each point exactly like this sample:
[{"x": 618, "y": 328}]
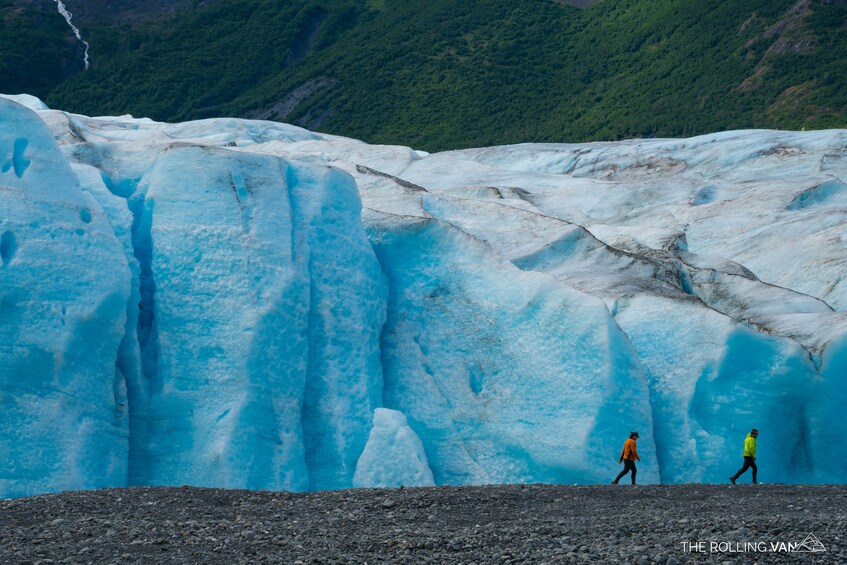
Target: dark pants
[
  {"x": 749, "y": 463},
  {"x": 627, "y": 467}
]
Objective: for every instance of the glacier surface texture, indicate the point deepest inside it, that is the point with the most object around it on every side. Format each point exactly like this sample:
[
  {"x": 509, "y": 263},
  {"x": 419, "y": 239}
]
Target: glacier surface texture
[{"x": 248, "y": 304}]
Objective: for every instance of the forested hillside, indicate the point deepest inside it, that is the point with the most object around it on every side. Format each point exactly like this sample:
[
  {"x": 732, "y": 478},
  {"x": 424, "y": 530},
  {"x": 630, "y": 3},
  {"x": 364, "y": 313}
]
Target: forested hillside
[
  {"x": 444, "y": 74},
  {"x": 37, "y": 50}
]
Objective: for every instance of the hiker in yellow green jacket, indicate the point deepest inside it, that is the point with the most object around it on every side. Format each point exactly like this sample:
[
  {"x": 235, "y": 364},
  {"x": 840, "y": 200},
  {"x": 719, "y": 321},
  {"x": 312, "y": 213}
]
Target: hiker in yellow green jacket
[
  {"x": 749, "y": 456},
  {"x": 629, "y": 456}
]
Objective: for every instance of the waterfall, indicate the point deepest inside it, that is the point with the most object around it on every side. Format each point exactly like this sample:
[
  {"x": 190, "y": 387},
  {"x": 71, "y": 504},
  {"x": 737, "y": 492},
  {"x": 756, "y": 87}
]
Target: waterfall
[{"x": 68, "y": 17}]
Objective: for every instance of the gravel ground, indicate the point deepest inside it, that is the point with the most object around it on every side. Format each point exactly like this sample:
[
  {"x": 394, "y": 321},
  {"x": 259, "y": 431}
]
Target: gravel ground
[{"x": 487, "y": 524}]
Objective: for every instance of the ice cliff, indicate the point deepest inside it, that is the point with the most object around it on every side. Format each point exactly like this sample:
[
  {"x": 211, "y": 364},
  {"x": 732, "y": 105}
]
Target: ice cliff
[{"x": 248, "y": 304}]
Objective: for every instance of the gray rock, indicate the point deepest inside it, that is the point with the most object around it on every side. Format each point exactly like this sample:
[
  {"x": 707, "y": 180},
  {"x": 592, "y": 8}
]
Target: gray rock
[{"x": 450, "y": 525}]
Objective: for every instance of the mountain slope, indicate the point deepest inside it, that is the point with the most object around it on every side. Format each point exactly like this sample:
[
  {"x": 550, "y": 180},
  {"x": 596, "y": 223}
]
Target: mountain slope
[
  {"x": 38, "y": 48},
  {"x": 441, "y": 74}
]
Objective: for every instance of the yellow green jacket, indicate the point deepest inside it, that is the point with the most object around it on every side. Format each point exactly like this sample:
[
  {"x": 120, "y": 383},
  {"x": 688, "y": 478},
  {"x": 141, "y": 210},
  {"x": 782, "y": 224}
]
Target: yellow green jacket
[{"x": 750, "y": 446}]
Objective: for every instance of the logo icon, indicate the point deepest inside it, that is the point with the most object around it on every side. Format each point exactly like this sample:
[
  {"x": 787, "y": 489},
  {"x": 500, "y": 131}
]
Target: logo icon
[{"x": 810, "y": 545}]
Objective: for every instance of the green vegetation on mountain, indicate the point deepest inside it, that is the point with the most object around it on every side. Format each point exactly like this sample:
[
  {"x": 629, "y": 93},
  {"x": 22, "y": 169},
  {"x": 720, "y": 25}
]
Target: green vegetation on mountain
[
  {"x": 37, "y": 49},
  {"x": 444, "y": 74}
]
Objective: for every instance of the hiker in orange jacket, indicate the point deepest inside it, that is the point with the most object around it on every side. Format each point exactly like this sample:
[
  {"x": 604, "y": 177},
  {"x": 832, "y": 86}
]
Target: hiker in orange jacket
[{"x": 629, "y": 456}]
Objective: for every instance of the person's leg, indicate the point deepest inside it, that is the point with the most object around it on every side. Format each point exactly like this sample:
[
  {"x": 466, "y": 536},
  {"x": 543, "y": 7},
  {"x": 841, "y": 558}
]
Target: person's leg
[
  {"x": 621, "y": 474},
  {"x": 634, "y": 470},
  {"x": 743, "y": 469},
  {"x": 755, "y": 470},
  {"x": 627, "y": 467}
]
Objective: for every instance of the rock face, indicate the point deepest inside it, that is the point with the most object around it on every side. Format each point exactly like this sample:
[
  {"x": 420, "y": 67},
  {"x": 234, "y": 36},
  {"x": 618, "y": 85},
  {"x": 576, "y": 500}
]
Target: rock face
[{"x": 248, "y": 304}]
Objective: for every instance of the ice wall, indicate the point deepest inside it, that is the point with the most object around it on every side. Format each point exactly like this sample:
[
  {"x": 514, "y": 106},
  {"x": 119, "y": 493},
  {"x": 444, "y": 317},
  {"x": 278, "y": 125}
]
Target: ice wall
[
  {"x": 248, "y": 304},
  {"x": 506, "y": 376},
  {"x": 261, "y": 369},
  {"x": 64, "y": 284},
  {"x": 241, "y": 332},
  {"x": 259, "y": 356}
]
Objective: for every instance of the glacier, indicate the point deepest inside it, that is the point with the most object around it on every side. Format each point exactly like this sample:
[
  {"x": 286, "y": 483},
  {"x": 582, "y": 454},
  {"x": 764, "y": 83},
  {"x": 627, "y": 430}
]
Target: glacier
[{"x": 248, "y": 304}]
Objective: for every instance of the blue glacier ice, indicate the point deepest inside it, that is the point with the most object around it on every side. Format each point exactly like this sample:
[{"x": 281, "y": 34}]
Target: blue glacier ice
[
  {"x": 391, "y": 439},
  {"x": 64, "y": 286},
  {"x": 261, "y": 366},
  {"x": 248, "y": 304}
]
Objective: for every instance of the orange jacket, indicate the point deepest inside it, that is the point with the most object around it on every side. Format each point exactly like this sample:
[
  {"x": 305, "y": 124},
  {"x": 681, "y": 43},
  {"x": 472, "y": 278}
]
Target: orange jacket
[{"x": 629, "y": 452}]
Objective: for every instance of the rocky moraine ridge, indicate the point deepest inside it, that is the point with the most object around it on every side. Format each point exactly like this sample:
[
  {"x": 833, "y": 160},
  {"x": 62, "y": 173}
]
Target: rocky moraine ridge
[{"x": 486, "y": 524}]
